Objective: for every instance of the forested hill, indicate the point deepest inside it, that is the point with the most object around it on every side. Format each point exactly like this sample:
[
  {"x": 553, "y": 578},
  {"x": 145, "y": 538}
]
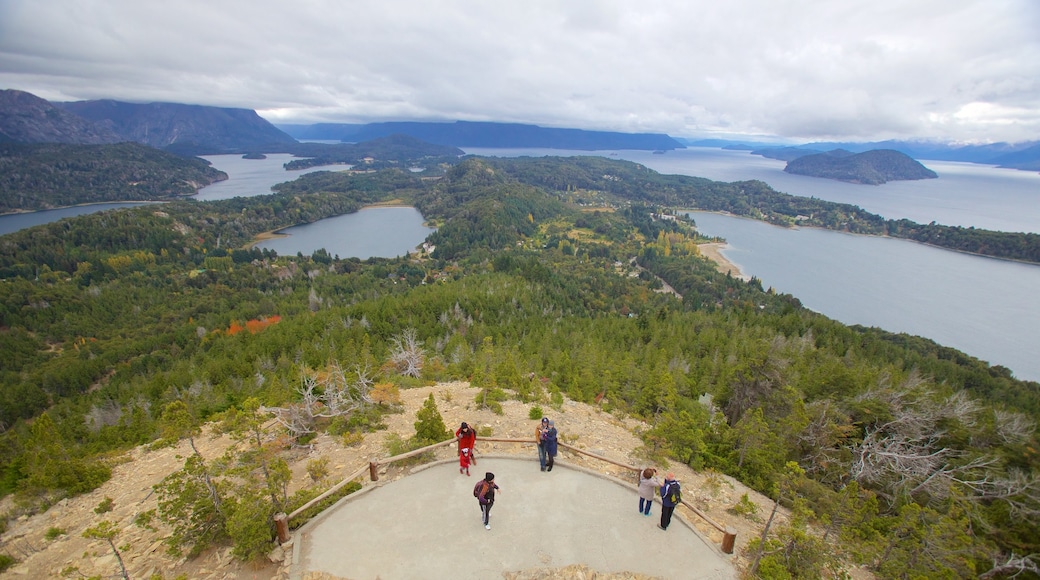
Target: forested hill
[
  {"x": 136, "y": 326},
  {"x": 594, "y": 180},
  {"x": 49, "y": 175},
  {"x": 870, "y": 167}
]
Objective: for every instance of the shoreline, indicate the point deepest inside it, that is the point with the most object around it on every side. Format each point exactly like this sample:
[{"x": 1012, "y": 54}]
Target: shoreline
[{"x": 713, "y": 252}]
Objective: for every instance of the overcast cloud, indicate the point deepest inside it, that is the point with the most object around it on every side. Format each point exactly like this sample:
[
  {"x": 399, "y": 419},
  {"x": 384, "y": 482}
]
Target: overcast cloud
[{"x": 960, "y": 70}]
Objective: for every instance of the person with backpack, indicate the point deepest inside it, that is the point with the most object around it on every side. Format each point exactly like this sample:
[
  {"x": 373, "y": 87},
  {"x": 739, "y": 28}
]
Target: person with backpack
[
  {"x": 671, "y": 495},
  {"x": 484, "y": 491},
  {"x": 549, "y": 440}
]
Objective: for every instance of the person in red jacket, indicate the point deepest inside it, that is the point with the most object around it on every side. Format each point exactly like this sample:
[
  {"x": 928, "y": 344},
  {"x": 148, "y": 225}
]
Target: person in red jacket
[
  {"x": 464, "y": 460},
  {"x": 467, "y": 438}
]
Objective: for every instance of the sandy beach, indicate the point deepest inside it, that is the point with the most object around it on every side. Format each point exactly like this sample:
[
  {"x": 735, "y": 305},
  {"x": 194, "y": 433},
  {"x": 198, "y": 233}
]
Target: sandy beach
[{"x": 713, "y": 253}]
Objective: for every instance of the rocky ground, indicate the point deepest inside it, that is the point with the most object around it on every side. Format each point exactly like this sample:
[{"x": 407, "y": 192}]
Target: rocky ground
[{"x": 583, "y": 426}]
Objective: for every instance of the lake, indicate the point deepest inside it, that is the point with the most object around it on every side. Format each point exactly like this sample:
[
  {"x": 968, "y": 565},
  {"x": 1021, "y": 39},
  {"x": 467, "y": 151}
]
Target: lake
[
  {"x": 382, "y": 232},
  {"x": 982, "y": 306}
]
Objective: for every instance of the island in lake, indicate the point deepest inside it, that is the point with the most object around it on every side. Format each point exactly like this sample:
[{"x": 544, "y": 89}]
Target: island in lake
[{"x": 872, "y": 167}]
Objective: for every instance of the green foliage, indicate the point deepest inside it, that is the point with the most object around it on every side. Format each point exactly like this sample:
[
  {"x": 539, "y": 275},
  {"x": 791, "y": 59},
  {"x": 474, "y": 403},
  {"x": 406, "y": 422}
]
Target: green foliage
[
  {"x": 114, "y": 325},
  {"x": 318, "y": 469},
  {"x": 745, "y": 508},
  {"x": 60, "y": 174},
  {"x": 54, "y": 533},
  {"x": 6, "y": 561},
  {"x": 144, "y": 520},
  {"x": 535, "y": 413},
  {"x": 250, "y": 525},
  {"x": 104, "y": 506},
  {"x": 429, "y": 425}
]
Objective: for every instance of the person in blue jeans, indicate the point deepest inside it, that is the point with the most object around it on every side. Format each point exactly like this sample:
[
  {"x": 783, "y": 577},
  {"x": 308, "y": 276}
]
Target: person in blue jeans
[
  {"x": 549, "y": 440},
  {"x": 539, "y": 433},
  {"x": 648, "y": 484}
]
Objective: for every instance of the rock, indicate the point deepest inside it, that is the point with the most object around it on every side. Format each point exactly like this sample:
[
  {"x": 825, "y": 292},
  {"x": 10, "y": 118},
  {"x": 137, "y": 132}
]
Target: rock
[{"x": 278, "y": 554}]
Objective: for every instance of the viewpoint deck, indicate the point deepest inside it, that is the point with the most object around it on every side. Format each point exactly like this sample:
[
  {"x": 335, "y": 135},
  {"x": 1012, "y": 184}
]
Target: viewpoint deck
[{"x": 427, "y": 525}]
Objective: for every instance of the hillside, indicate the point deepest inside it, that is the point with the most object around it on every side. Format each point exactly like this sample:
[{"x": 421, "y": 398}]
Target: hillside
[
  {"x": 474, "y": 134},
  {"x": 45, "y": 176},
  {"x": 26, "y": 118},
  {"x": 193, "y": 129},
  {"x": 586, "y": 426},
  {"x": 544, "y": 283},
  {"x": 870, "y": 167}
]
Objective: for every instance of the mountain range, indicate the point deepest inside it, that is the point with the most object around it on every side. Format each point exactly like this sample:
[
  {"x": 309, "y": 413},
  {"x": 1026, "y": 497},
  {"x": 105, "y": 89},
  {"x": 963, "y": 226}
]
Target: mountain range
[{"x": 480, "y": 134}]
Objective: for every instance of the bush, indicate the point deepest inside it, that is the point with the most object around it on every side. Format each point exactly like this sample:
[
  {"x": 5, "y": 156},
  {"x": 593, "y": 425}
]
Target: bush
[
  {"x": 54, "y": 533},
  {"x": 6, "y": 562},
  {"x": 535, "y": 413},
  {"x": 105, "y": 506},
  {"x": 746, "y": 508}
]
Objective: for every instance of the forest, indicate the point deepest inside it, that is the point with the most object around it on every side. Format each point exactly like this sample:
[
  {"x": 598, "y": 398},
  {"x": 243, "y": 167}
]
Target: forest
[
  {"x": 48, "y": 175},
  {"x": 135, "y": 326}
]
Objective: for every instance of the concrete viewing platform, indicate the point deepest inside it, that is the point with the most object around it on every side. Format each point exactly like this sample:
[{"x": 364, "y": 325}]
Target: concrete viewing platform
[{"x": 427, "y": 525}]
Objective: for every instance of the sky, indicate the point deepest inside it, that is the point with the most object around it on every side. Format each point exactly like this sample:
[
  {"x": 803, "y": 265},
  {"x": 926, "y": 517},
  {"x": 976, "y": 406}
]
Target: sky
[{"x": 963, "y": 71}]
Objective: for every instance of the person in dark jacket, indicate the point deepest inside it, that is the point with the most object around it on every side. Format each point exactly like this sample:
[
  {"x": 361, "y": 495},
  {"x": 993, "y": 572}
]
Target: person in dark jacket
[
  {"x": 539, "y": 432},
  {"x": 486, "y": 497},
  {"x": 549, "y": 440},
  {"x": 670, "y": 497}
]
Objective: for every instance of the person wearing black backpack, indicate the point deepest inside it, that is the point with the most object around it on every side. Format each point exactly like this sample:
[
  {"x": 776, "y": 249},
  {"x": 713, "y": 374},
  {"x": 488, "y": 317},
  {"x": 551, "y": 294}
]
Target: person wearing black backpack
[
  {"x": 671, "y": 495},
  {"x": 484, "y": 491}
]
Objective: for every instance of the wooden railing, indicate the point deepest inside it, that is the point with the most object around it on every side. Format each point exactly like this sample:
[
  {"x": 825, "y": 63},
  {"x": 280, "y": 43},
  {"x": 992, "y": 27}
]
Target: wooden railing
[{"x": 729, "y": 535}]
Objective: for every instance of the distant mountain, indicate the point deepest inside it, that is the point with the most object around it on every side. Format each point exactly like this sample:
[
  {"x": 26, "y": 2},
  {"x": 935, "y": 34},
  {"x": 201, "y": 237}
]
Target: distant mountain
[
  {"x": 785, "y": 153},
  {"x": 1027, "y": 159},
  {"x": 187, "y": 129},
  {"x": 471, "y": 134},
  {"x": 870, "y": 167},
  {"x": 26, "y": 118}
]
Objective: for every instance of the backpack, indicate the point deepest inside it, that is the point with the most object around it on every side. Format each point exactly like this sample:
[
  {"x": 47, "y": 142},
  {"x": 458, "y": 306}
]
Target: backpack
[
  {"x": 479, "y": 488},
  {"x": 674, "y": 493}
]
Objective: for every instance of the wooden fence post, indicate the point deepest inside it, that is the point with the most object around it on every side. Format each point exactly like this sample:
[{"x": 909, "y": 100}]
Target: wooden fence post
[
  {"x": 281, "y": 521},
  {"x": 373, "y": 470},
  {"x": 728, "y": 539}
]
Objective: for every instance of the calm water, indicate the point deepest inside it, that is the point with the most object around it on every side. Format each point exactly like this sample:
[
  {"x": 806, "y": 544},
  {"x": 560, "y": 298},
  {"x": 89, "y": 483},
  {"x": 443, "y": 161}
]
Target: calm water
[
  {"x": 19, "y": 221},
  {"x": 982, "y": 306},
  {"x": 965, "y": 194},
  {"x": 250, "y": 177},
  {"x": 383, "y": 232}
]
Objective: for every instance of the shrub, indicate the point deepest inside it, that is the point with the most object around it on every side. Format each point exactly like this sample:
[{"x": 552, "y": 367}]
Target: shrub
[
  {"x": 6, "y": 562},
  {"x": 535, "y": 413},
  {"x": 746, "y": 508},
  {"x": 105, "y": 506},
  {"x": 54, "y": 533},
  {"x": 318, "y": 469}
]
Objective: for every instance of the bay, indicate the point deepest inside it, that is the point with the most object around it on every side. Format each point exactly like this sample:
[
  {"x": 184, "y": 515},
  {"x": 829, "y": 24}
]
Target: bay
[
  {"x": 981, "y": 306},
  {"x": 252, "y": 177},
  {"x": 382, "y": 232}
]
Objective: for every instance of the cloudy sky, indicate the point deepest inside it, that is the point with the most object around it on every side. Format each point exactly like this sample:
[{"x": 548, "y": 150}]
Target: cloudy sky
[{"x": 958, "y": 70}]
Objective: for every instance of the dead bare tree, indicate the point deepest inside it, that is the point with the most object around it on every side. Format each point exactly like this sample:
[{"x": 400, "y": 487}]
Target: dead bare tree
[
  {"x": 406, "y": 353},
  {"x": 325, "y": 395},
  {"x": 1013, "y": 567},
  {"x": 1012, "y": 427}
]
